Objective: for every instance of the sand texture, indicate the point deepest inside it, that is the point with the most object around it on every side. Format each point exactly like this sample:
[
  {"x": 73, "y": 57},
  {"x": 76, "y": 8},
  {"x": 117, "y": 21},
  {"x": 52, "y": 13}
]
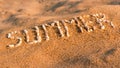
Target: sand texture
[{"x": 59, "y": 33}]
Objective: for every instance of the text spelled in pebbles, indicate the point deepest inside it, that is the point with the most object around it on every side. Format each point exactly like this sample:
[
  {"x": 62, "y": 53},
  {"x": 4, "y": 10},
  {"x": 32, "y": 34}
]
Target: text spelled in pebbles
[{"x": 83, "y": 23}]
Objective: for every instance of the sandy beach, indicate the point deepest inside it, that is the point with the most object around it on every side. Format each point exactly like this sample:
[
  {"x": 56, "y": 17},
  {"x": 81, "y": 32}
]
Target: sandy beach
[{"x": 59, "y": 33}]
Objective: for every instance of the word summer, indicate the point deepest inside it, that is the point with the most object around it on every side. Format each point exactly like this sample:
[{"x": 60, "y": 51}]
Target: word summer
[{"x": 83, "y": 23}]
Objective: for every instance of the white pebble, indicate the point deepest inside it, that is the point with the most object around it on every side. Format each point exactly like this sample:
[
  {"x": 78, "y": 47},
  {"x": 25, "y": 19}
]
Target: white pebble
[
  {"x": 11, "y": 46},
  {"x": 19, "y": 42},
  {"x": 66, "y": 28},
  {"x": 102, "y": 27},
  {"x": 26, "y": 35},
  {"x": 38, "y": 38},
  {"x": 46, "y": 32},
  {"x": 59, "y": 28}
]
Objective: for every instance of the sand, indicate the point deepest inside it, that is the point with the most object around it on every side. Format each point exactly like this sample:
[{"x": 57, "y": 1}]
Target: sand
[{"x": 95, "y": 49}]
